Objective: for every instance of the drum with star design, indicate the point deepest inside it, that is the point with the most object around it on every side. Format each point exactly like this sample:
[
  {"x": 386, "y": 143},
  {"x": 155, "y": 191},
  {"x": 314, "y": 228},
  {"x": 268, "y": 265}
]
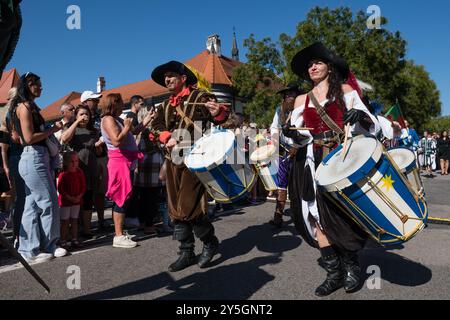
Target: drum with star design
[{"x": 368, "y": 185}]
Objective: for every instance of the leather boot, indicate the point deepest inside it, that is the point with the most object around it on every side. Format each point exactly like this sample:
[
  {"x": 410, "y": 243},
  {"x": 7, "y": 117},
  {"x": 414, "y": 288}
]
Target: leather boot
[
  {"x": 277, "y": 220},
  {"x": 209, "y": 251},
  {"x": 352, "y": 279},
  {"x": 186, "y": 259},
  {"x": 279, "y": 211},
  {"x": 335, "y": 275},
  {"x": 183, "y": 233}
]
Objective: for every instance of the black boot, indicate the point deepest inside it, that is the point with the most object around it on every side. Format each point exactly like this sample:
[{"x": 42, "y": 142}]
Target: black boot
[
  {"x": 205, "y": 231},
  {"x": 183, "y": 232},
  {"x": 186, "y": 259},
  {"x": 352, "y": 279},
  {"x": 209, "y": 251},
  {"x": 331, "y": 262},
  {"x": 277, "y": 220}
]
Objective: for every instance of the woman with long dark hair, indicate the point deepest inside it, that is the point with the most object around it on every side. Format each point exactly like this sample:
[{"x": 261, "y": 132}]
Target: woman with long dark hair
[
  {"x": 40, "y": 221},
  {"x": 325, "y": 109}
]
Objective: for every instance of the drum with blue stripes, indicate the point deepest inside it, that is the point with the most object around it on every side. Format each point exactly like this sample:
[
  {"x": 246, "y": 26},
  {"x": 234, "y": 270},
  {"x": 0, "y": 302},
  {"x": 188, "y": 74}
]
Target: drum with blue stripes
[
  {"x": 221, "y": 166},
  {"x": 367, "y": 184},
  {"x": 265, "y": 159},
  {"x": 407, "y": 163}
]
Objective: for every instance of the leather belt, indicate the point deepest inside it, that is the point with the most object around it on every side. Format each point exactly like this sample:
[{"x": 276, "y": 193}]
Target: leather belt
[{"x": 326, "y": 138}]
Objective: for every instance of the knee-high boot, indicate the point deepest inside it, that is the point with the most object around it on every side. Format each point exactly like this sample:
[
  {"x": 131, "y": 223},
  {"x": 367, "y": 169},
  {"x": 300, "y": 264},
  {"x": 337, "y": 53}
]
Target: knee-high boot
[
  {"x": 331, "y": 262},
  {"x": 350, "y": 262},
  {"x": 279, "y": 210},
  {"x": 204, "y": 230},
  {"x": 183, "y": 233}
]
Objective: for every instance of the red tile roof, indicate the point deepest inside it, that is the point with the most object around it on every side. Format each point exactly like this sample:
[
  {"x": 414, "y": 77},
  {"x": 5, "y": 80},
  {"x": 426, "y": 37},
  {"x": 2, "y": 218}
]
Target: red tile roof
[
  {"x": 53, "y": 112},
  {"x": 9, "y": 80},
  {"x": 216, "y": 69}
]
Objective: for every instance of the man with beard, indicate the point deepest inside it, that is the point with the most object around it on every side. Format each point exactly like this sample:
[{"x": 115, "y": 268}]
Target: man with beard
[
  {"x": 188, "y": 207},
  {"x": 287, "y": 147}
]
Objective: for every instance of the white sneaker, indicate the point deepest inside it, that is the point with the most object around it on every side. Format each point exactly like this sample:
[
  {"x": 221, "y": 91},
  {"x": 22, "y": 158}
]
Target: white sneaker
[
  {"x": 123, "y": 241},
  {"x": 60, "y": 252},
  {"x": 41, "y": 257}
]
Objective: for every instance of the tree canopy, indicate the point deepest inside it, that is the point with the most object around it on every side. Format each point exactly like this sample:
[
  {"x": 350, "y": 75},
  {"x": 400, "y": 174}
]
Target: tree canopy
[{"x": 375, "y": 56}]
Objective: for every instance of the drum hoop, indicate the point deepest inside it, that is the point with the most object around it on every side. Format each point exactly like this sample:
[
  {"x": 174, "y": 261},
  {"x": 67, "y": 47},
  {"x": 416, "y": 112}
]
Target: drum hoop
[
  {"x": 410, "y": 167},
  {"x": 236, "y": 197},
  {"x": 214, "y": 164},
  {"x": 357, "y": 175},
  {"x": 269, "y": 155},
  {"x": 379, "y": 230}
]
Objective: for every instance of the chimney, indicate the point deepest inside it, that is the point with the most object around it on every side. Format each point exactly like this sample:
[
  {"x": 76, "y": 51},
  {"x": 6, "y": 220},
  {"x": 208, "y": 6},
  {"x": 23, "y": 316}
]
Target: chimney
[
  {"x": 213, "y": 45},
  {"x": 101, "y": 84}
]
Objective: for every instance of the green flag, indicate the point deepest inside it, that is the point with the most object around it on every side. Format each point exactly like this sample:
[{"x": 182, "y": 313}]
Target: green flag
[{"x": 395, "y": 114}]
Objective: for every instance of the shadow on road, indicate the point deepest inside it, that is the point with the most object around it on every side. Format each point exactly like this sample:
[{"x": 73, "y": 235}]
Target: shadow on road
[
  {"x": 237, "y": 281},
  {"x": 395, "y": 268},
  {"x": 221, "y": 283}
]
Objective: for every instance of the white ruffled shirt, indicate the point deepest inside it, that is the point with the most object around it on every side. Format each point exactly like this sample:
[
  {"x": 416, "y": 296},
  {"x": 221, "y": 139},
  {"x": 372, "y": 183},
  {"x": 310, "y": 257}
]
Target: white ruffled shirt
[{"x": 310, "y": 207}]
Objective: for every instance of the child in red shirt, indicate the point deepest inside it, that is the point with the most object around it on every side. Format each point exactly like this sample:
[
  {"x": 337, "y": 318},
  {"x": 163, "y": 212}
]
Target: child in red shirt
[{"x": 71, "y": 188}]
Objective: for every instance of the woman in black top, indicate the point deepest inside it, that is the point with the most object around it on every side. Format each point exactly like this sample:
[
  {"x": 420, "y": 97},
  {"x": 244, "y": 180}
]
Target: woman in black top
[
  {"x": 40, "y": 225},
  {"x": 443, "y": 146}
]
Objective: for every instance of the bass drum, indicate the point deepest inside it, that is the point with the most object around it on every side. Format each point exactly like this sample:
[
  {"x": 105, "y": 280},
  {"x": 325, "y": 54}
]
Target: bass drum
[{"x": 221, "y": 166}]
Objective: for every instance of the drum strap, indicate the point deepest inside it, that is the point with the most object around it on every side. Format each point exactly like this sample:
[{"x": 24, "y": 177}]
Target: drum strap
[
  {"x": 324, "y": 116},
  {"x": 187, "y": 120}
]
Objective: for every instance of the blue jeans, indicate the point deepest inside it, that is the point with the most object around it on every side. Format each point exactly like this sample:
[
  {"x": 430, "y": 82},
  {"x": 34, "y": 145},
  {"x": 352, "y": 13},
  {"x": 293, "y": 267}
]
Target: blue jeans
[
  {"x": 40, "y": 228},
  {"x": 19, "y": 186}
]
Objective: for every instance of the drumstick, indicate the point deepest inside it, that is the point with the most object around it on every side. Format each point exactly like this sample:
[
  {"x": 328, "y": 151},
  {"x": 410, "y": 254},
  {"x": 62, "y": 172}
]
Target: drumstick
[
  {"x": 298, "y": 129},
  {"x": 203, "y": 103},
  {"x": 347, "y": 133}
]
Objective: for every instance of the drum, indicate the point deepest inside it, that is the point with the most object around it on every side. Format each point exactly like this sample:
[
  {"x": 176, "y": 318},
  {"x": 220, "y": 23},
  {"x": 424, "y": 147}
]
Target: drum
[
  {"x": 370, "y": 188},
  {"x": 221, "y": 166},
  {"x": 406, "y": 162},
  {"x": 266, "y": 160}
]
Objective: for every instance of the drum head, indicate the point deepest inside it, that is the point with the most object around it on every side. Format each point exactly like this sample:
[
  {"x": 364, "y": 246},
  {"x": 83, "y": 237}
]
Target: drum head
[
  {"x": 263, "y": 153},
  {"x": 211, "y": 150},
  {"x": 403, "y": 157},
  {"x": 362, "y": 152}
]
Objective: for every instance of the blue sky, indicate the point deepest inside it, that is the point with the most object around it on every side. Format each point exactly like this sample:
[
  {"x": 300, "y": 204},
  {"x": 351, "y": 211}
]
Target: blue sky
[{"x": 124, "y": 40}]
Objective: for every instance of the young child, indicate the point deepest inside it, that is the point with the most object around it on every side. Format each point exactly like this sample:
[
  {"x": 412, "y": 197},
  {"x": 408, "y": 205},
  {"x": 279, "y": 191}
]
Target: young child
[{"x": 71, "y": 188}]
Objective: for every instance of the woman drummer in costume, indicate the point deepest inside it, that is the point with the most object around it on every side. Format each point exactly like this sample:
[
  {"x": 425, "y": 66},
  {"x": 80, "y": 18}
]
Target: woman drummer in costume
[{"x": 332, "y": 103}]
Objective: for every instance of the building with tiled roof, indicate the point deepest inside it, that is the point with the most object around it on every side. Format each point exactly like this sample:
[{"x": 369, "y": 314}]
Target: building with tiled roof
[
  {"x": 8, "y": 80},
  {"x": 214, "y": 67}
]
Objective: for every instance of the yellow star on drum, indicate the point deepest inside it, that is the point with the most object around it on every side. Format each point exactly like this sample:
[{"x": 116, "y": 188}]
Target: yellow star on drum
[{"x": 388, "y": 183}]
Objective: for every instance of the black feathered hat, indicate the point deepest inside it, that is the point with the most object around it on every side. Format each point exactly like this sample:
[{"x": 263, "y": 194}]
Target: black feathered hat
[
  {"x": 158, "y": 74},
  {"x": 301, "y": 60}
]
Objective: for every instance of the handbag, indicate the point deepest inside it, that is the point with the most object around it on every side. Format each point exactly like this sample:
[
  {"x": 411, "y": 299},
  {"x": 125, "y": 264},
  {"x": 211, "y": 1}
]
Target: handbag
[{"x": 53, "y": 145}]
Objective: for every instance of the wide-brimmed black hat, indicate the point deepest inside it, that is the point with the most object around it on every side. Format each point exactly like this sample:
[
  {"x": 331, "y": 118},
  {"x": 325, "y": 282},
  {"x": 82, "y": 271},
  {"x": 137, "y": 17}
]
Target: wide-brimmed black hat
[
  {"x": 158, "y": 75},
  {"x": 292, "y": 86},
  {"x": 301, "y": 60}
]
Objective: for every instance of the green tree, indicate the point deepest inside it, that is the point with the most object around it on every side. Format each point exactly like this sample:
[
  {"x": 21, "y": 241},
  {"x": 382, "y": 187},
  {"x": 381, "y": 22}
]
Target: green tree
[
  {"x": 438, "y": 124},
  {"x": 257, "y": 80},
  {"x": 418, "y": 95}
]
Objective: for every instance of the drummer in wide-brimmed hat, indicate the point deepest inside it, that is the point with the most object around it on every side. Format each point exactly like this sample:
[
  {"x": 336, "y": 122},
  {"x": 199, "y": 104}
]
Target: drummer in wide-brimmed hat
[
  {"x": 187, "y": 108},
  {"x": 333, "y": 102}
]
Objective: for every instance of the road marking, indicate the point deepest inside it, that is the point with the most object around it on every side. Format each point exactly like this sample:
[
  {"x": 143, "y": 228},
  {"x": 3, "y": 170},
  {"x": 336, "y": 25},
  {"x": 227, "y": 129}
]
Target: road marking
[{"x": 18, "y": 265}]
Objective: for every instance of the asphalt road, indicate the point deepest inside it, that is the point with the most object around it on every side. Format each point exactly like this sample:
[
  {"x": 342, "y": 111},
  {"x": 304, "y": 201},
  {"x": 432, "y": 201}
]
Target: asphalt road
[{"x": 255, "y": 262}]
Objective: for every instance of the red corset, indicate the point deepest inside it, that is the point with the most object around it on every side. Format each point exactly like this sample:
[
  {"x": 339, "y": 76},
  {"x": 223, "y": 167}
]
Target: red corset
[{"x": 313, "y": 120}]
